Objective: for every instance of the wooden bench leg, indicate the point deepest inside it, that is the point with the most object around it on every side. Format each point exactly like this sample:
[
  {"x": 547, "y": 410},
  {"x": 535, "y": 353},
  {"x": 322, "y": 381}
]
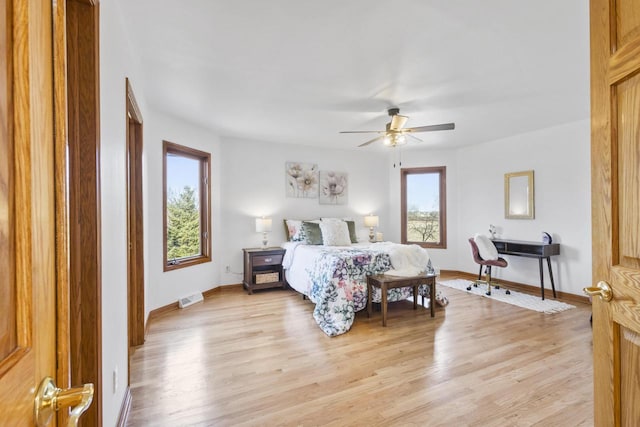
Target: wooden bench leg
[
  {"x": 383, "y": 288},
  {"x": 432, "y": 298},
  {"x": 369, "y": 297}
]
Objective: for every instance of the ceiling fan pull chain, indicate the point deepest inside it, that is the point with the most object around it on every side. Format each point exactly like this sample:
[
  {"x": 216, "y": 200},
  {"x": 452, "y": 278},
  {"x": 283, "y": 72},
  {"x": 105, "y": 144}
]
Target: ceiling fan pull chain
[{"x": 399, "y": 158}]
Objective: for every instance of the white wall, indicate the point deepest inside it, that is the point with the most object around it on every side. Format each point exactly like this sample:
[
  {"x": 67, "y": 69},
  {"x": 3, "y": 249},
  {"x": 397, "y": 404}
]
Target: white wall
[
  {"x": 443, "y": 259},
  {"x": 116, "y": 63},
  {"x": 253, "y": 175},
  {"x": 167, "y": 287},
  {"x": 560, "y": 158},
  {"x": 248, "y": 180}
]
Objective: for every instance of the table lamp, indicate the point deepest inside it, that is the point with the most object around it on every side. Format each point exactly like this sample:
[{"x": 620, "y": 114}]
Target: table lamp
[
  {"x": 371, "y": 221},
  {"x": 263, "y": 225}
]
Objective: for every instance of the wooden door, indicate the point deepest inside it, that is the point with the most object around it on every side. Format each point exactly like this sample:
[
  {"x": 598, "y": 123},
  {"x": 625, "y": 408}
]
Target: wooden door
[
  {"x": 27, "y": 211},
  {"x": 615, "y": 177}
]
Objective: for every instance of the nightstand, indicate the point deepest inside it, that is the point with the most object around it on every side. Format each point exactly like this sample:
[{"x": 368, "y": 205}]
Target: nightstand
[{"x": 263, "y": 269}]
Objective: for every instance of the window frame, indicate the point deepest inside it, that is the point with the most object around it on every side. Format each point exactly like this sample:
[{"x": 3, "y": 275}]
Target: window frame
[
  {"x": 442, "y": 171},
  {"x": 205, "y": 205}
]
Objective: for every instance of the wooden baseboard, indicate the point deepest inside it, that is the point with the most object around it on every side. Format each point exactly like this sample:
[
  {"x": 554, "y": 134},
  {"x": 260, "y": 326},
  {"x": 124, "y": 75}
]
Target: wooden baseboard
[
  {"x": 527, "y": 289},
  {"x": 125, "y": 408},
  {"x": 174, "y": 305},
  {"x": 221, "y": 288},
  {"x": 161, "y": 310}
]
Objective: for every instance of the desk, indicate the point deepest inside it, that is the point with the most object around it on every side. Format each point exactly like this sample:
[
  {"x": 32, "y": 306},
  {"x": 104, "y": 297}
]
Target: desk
[{"x": 531, "y": 250}]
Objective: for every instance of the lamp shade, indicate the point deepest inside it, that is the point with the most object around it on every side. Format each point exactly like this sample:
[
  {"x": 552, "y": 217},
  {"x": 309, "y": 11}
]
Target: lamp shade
[
  {"x": 371, "y": 221},
  {"x": 263, "y": 225}
]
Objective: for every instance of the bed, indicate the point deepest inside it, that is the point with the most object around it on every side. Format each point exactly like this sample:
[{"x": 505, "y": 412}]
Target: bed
[{"x": 334, "y": 277}]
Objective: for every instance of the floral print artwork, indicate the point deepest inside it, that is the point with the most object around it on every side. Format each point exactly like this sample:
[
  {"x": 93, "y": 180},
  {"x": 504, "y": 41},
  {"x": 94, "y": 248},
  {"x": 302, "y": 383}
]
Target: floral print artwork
[
  {"x": 333, "y": 188},
  {"x": 339, "y": 286},
  {"x": 302, "y": 180}
]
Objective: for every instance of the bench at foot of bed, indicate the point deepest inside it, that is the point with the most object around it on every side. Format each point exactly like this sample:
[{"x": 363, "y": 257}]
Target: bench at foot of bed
[{"x": 386, "y": 282}]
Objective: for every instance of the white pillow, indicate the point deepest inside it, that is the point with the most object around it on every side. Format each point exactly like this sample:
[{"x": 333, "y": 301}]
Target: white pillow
[
  {"x": 335, "y": 219},
  {"x": 486, "y": 248},
  {"x": 335, "y": 233}
]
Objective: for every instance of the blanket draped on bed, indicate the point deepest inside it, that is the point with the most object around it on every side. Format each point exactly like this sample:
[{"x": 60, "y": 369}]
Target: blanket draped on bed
[{"x": 339, "y": 286}]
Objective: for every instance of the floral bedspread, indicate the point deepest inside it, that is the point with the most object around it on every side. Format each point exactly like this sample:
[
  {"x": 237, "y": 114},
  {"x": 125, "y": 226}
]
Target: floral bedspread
[{"x": 339, "y": 286}]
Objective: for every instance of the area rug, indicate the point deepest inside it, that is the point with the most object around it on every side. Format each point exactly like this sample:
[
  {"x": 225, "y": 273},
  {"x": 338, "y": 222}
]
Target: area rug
[{"x": 516, "y": 298}]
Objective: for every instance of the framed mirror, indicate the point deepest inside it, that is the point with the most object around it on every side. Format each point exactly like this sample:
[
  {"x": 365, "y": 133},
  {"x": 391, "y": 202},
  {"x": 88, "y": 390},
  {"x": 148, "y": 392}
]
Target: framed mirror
[{"x": 518, "y": 195}]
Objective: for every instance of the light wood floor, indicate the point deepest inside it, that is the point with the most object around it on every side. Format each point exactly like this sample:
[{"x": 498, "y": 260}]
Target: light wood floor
[{"x": 260, "y": 359}]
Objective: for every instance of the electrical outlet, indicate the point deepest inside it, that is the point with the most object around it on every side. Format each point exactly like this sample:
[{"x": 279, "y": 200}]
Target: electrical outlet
[
  {"x": 115, "y": 380},
  {"x": 227, "y": 269}
]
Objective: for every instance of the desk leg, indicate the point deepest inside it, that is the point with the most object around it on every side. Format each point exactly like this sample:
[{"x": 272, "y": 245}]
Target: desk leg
[
  {"x": 383, "y": 288},
  {"x": 541, "y": 277},
  {"x": 553, "y": 286},
  {"x": 415, "y": 297}
]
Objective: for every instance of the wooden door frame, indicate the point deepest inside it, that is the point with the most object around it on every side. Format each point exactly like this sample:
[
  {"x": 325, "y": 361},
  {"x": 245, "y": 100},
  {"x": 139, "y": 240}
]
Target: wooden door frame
[
  {"x": 135, "y": 221},
  {"x": 63, "y": 373},
  {"x": 84, "y": 327}
]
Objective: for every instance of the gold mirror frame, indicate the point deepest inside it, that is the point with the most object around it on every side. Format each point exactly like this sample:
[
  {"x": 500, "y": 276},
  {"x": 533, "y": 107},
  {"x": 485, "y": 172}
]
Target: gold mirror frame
[{"x": 518, "y": 195}]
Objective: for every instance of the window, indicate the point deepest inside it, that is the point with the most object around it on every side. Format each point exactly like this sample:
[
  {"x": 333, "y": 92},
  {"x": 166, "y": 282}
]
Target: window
[
  {"x": 186, "y": 206},
  {"x": 423, "y": 204}
]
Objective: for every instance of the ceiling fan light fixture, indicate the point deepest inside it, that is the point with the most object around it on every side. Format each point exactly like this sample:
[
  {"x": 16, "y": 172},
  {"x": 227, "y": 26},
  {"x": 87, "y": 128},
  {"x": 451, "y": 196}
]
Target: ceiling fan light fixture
[{"x": 391, "y": 139}]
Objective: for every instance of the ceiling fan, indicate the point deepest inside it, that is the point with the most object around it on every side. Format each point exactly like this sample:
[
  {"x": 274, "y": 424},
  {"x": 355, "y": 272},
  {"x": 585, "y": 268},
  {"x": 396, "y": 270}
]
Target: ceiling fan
[{"x": 396, "y": 133}]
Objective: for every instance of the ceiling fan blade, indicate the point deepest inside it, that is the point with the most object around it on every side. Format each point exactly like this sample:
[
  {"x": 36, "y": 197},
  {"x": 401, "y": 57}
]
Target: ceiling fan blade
[
  {"x": 371, "y": 141},
  {"x": 363, "y": 131},
  {"x": 414, "y": 137},
  {"x": 398, "y": 121},
  {"x": 431, "y": 128}
]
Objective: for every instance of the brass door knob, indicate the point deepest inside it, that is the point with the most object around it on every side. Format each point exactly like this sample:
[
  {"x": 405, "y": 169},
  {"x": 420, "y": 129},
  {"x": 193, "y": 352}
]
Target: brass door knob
[
  {"x": 50, "y": 398},
  {"x": 602, "y": 289}
]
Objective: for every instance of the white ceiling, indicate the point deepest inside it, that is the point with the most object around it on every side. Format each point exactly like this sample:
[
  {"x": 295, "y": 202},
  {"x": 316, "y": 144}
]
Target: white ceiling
[{"x": 296, "y": 71}]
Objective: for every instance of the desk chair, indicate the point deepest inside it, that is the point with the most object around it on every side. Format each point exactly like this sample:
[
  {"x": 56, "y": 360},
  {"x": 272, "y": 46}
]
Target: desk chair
[{"x": 486, "y": 263}]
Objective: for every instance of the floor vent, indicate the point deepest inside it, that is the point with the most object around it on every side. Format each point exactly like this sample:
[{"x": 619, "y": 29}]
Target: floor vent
[{"x": 190, "y": 300}]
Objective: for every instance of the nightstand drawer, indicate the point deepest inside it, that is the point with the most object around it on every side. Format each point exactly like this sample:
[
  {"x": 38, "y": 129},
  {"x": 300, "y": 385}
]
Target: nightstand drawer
[{"x": 259, "y": 260}]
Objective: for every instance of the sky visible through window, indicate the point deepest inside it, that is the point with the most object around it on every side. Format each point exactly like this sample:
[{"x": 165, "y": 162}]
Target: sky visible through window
[
  {"x": 422, "y": 191},
  {"x": 181, "y": 172}
]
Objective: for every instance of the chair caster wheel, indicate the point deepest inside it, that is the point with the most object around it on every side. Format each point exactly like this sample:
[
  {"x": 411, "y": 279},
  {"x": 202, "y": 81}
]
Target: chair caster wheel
[
  {"x": 488, "y": 294},
  {"x": 497, "y": 287},
  {"x": 475, "y": 285},
  {"x": 468, "y": 288},
  {"x": 508, "y": 292}
]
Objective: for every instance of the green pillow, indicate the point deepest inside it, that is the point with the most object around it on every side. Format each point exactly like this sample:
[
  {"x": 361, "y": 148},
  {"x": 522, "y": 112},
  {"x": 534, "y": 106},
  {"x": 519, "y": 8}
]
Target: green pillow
[
  {"x": 312, "y": 232},
  {"x": 351, "y": 225}
]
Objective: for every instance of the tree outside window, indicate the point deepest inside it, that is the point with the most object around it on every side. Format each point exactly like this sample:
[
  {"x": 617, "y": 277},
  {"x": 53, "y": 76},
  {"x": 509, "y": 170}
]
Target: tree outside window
[
  {"x": 186, "y": 206},
  {"x": 423, "y": 204}
]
